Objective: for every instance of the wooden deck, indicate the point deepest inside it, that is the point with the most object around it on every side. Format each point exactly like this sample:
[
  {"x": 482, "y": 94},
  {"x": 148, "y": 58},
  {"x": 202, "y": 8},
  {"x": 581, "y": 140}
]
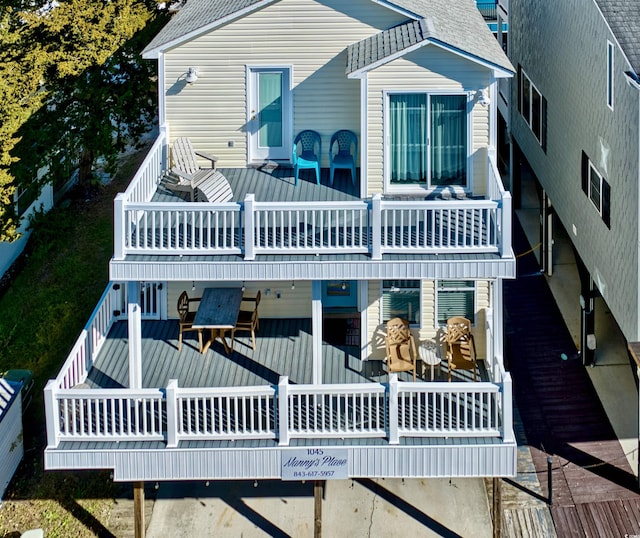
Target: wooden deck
[
  {"x": 283, "y": 347},
  {"x": 277, "y": 185},
  {"x": 595, "y": 492}
]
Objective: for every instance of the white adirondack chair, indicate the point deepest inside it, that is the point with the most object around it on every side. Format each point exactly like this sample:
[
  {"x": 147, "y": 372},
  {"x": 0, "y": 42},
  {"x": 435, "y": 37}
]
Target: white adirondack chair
[{"x": 203, "y": 184}]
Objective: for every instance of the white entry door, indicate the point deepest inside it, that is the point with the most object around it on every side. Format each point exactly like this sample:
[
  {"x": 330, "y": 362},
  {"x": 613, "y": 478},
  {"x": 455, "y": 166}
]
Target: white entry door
[{"x": 270, "y": 113}]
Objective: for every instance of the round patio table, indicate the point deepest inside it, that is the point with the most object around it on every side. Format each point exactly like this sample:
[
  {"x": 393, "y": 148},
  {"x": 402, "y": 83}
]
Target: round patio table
[{"x": 429, "y": 354}]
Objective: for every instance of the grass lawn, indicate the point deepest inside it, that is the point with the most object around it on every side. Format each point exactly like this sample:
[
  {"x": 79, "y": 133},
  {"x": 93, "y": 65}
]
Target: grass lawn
[{"x": 41, "y": 315}]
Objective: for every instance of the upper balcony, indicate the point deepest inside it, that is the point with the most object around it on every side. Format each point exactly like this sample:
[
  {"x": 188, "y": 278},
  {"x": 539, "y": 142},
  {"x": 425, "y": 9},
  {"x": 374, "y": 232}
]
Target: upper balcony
[{"x": 269, "y": 218}]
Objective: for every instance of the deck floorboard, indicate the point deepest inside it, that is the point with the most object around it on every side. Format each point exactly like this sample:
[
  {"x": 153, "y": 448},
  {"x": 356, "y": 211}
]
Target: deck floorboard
[{"x": 563, "y": 417}]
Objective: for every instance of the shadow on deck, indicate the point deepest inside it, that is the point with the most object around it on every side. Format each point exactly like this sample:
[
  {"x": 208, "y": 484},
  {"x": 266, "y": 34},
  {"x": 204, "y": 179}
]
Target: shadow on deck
[{"x": 283, "y": 347}]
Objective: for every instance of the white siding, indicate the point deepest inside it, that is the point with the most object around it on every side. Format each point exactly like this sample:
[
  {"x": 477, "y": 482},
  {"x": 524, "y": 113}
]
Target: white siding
[
  {"x": 294, "y": 303},
  {"x": 309, "y": 36},
  {"x": 11, "y": 446},
  {"x": 429, "y": 69},
  {"x": 428, "y": 327}
]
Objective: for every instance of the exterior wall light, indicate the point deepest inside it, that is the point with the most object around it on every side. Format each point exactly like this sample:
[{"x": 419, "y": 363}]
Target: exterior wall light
[
  {"x": 192, "y": 75},
  {"x": 483, "y": 98}
]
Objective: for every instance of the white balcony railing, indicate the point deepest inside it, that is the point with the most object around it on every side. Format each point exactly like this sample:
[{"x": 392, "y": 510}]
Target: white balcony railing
[
  {"x": 374, "y": 226},
  {"x": 76, "y": 413},
  {"x": 285, "y": 412}
]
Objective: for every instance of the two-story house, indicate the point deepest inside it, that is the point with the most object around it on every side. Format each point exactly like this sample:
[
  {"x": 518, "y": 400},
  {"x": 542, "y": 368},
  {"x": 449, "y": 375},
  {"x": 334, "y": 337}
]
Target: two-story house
[
  {"x": 422, "y": 232},
  {"x": 576, "y": 122}
]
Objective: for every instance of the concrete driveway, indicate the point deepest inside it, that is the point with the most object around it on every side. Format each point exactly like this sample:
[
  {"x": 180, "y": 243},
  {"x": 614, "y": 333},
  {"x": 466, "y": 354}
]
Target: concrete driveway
[{"x": 351, "y": 508}]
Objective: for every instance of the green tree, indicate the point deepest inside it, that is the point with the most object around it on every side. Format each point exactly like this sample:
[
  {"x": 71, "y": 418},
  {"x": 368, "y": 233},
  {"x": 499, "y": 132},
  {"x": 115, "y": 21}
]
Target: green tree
[{"x": 90, "y": 92}]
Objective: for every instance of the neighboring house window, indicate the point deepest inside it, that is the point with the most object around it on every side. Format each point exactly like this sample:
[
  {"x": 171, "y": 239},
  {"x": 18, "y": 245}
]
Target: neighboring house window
[
  {"x": 610, "y": 74},
  {"x": 533, "y": 107},
  {"x": 455, "y": 298},
  {"x": 401, "y": 299},
  {"x": 428, "y": 139},
  {"x": 596, "y": 187}
]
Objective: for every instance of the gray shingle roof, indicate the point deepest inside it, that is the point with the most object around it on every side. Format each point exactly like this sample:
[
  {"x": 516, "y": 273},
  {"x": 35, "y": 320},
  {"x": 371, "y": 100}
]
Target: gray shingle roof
[
  {"x": 623, "y": 17},
  {"x": 456, "y": 24},
  {"x": 198, "y": 14}
]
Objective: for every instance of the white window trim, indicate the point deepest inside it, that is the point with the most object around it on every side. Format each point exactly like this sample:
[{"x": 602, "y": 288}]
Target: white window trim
[
  {"x": 381, "y": 309},
  {"x": 436, "y": 324},
  {"x": 389, "y": 188},
  {"x": 288, "y": 110},
  {"x": 529, "y": 117},
  {"x": 610, "y": 71}
]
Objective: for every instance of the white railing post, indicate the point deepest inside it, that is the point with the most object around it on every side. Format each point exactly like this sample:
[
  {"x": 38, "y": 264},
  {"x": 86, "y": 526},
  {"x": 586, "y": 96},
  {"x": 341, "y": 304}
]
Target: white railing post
[
  {"x": 392, "y": 406},
  {"x": 376, "y": 227},
  {"x": 118, "y": 227},
  {"x": 283, "y": 411},
  {"x": 505, "y": 245},
  {"x": 172, "y": 413},
  {"x": 507, "y": 409},
  {"x": 249, "y": 227},
  {"x": 51, "y": 413}
]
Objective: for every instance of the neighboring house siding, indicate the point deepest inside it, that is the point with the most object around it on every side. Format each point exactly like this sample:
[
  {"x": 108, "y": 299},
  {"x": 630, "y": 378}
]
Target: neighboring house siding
[
  {"x": 440, "y": 71},
  {"x": 309, "y": 36},
  {"x": 566, "y": 58}
]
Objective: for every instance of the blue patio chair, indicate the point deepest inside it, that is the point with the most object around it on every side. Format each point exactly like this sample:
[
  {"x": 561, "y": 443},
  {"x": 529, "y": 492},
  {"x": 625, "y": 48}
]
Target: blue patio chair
[
  {"x": 347, "y": 146},
  {"x": 310, "y": 151}
]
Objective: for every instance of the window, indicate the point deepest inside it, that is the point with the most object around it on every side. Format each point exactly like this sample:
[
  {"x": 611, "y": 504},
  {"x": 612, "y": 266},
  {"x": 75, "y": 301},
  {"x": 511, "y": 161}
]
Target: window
[
  {"x": 455, "y": 298},
  {"x": 610, "y": 74},
  {"x": 533, "y": 107},
  {"x": 596, "y": 187},
  {"x": 401, "y": 299},
  {"x": 428, "y": 139}
]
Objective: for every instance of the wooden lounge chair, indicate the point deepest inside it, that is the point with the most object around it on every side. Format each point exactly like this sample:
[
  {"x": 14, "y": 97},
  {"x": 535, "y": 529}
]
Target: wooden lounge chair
[
  {"x": 202, "y": 184},
  {"x": 461, "y": 347},
  {"x": 401, "y": 347}
]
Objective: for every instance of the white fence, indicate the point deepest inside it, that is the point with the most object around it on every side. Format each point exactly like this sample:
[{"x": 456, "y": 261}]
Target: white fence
[{"x": 285, "y": 412}]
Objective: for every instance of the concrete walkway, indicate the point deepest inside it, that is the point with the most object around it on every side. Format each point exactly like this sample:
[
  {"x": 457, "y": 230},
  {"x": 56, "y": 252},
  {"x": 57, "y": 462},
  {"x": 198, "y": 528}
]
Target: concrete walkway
[{"x": 353, "y": 508}]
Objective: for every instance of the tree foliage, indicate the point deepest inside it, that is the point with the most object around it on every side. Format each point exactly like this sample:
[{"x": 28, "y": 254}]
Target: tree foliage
[{"x": 72, "y": 88}]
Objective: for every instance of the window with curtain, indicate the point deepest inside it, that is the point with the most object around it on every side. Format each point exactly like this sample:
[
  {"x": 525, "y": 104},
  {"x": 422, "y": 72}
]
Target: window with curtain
[
  {"x": 414, "y": 120},
  {"x": 456, "y": 298},
  {"x": 401, "y": 299}
]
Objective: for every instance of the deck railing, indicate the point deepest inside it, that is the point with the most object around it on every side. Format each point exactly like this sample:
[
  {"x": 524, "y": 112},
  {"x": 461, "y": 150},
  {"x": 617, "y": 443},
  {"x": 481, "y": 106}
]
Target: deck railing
[
  {"x": 144, "y": 183},
  {"x": 110, "y": 308},
  {"x": 80, "y": 358},
  {"x": 374, "y": 226},
  {"x": 285, "y": 412}
]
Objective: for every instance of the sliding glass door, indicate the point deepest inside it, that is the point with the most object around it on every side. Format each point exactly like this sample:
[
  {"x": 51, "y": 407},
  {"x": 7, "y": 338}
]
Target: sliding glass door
[{"x": 428, "y": 139}]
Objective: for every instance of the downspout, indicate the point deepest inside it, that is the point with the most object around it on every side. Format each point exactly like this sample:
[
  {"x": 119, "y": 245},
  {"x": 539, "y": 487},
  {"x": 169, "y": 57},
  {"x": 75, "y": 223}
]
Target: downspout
[{"x": 364, "y": 122}]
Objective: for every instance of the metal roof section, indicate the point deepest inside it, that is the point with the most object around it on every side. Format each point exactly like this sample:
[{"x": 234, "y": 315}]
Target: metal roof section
[
  {"x": 455, "y": 25},
  {"x": 356, "y": 267},
  {"x": 623, "y": 17}
]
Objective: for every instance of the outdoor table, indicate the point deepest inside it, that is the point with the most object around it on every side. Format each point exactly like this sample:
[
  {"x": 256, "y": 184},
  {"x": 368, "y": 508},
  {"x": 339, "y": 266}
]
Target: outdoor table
[
  {"x": 218, "y": 311},
  {"x": 429, "y": 354}
]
